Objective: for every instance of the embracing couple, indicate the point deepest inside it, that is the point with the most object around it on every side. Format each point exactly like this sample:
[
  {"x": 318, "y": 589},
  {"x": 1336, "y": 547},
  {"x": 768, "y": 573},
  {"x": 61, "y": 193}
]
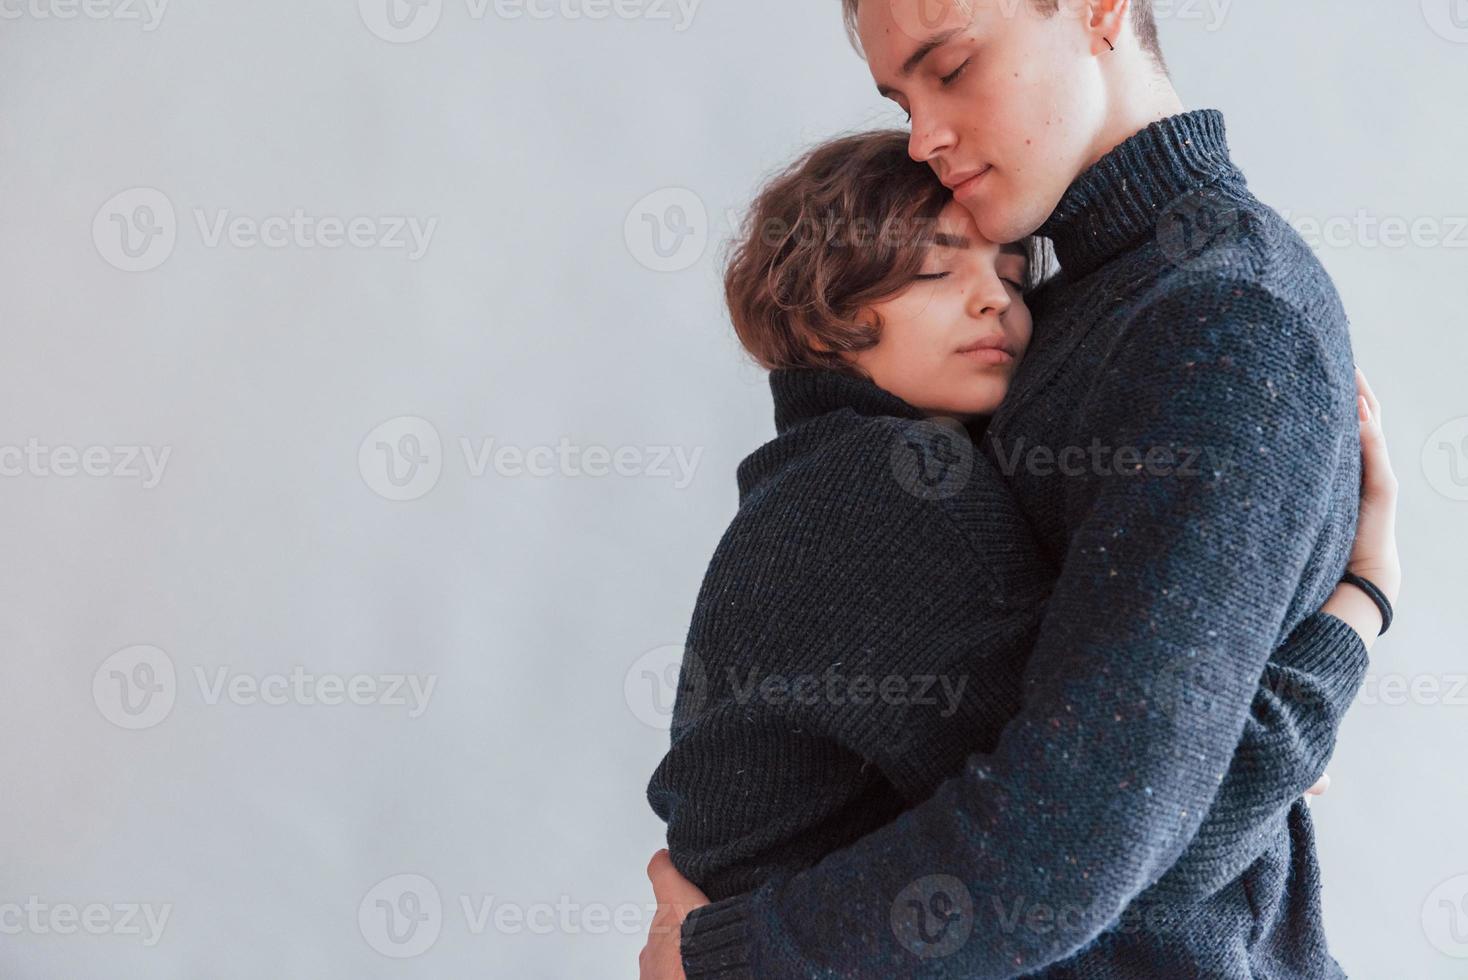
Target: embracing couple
[{"x": 1132, "y": 522}]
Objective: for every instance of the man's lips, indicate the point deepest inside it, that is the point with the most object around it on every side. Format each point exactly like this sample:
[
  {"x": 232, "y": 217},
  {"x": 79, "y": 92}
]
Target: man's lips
[
  {"x": 964, "y": 181},
  {"x": 990, "y": 350}
]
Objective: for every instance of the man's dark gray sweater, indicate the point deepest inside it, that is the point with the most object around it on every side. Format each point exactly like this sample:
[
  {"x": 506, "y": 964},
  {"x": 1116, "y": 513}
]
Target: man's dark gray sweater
[{"x": 1182, "y": 440}]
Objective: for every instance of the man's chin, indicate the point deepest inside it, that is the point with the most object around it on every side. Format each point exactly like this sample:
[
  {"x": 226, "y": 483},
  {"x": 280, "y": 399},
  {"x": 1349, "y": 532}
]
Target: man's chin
[{"x": 1001, "y": 224}]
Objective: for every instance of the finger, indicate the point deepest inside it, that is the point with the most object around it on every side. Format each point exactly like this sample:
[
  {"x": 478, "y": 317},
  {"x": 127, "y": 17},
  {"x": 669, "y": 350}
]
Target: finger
[
  {"x": 660, "y": 860},
  {"x": 661, "y": 872},
  {"x": 1321, "y": 785},
  {"x": 1378, "y": 481},
  {"x": 669, "y": 885},
  {"x": 1363, "y": 387}
]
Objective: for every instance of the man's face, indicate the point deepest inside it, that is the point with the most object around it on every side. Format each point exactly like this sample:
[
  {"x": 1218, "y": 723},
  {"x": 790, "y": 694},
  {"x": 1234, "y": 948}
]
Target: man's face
[{"x": 999, "y": 91}]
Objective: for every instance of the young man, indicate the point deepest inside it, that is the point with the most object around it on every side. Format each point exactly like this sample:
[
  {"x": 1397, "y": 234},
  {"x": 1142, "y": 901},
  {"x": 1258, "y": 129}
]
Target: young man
[{"x": 1183, "y": 439}]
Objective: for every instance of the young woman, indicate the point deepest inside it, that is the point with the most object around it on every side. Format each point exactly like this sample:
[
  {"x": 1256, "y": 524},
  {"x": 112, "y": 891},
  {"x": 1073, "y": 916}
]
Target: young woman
[{"x": 864, "y": 623}]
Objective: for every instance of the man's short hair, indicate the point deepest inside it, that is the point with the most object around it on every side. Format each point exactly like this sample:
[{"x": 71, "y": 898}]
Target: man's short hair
[{"x": 1144, "y": 23}]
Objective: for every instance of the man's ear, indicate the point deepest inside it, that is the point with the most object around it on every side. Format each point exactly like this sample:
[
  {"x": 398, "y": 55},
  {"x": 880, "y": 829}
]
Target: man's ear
[{"x": 1107, "y": 22}]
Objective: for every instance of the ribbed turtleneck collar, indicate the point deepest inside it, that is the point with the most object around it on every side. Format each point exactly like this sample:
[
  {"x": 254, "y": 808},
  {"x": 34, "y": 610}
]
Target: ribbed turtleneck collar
[
  {"x": 807, "y": 393},
  {"x": 1117, "y": 202}
]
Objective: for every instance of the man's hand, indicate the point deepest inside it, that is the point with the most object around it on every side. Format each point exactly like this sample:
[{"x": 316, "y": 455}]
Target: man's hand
[
  {"x": 1321, "y": 785},
  {"x": 662, "y": 957}
]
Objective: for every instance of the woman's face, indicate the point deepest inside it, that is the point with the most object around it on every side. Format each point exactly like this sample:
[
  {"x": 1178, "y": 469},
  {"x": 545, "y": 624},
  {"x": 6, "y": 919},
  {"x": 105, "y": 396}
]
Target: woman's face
[{"x": 952, "y": 339}]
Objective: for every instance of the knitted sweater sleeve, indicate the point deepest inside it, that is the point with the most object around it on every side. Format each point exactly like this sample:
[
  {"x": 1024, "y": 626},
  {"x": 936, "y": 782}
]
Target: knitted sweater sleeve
[
  {"x": 1170, "y": 597},
  {"x": 1288, "y": 738}
]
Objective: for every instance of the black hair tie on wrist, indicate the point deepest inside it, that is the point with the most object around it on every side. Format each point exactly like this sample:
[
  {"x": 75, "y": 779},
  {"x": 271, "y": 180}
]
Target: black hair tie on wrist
[{"x": 1377, "y": 596}]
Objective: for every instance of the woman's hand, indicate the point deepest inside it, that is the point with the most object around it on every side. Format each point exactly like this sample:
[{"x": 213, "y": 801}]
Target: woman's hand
[
  {"x": 1374, "y": 555},
  {"x": 662, "y": 957}
]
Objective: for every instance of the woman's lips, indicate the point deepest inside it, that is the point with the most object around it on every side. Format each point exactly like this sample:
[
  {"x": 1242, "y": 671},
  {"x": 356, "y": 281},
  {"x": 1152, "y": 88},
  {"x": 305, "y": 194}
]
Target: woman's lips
[{"x": 988, "y": 355}]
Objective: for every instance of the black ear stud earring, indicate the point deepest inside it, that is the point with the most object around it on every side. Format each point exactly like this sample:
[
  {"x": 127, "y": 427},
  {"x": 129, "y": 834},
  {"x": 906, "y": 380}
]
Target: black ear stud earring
[{"x": 1108, "y": 42}]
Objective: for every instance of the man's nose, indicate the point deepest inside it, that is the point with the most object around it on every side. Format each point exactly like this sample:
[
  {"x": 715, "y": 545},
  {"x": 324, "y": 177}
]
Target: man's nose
[{"x": 929, "y": 139}]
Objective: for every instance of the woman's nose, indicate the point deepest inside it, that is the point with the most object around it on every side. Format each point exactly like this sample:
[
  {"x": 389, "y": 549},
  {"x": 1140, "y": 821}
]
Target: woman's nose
[{"x": 989, "y": 298}]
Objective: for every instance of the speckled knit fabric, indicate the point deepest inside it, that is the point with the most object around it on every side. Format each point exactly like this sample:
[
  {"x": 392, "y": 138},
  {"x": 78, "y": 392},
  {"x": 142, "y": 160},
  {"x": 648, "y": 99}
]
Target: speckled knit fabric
[{"x": 1181, "y": 441}]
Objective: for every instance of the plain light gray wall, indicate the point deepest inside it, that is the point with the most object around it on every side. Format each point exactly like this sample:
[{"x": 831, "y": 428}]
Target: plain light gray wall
[{"x": 530, "y": 153}]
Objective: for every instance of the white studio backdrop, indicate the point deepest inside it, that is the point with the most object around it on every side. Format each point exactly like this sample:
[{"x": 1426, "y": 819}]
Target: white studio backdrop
[{"x": 368, "y": 413}]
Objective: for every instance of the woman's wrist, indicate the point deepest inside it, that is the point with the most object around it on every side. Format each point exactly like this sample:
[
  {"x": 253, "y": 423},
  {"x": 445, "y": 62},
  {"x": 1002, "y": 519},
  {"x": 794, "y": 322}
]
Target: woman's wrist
[
  {"x": 1386, "y": 576},
  {"x": 1357, "y": 610}
]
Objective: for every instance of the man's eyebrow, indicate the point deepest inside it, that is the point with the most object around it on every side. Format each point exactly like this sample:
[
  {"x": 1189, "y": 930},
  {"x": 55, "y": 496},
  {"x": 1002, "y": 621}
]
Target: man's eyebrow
[{"x": 923, "y": 50}]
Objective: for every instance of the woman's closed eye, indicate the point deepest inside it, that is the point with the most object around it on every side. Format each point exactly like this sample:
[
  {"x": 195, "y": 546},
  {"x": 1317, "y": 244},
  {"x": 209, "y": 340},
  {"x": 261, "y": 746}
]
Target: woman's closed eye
[{"x": 931, "y": 275}]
